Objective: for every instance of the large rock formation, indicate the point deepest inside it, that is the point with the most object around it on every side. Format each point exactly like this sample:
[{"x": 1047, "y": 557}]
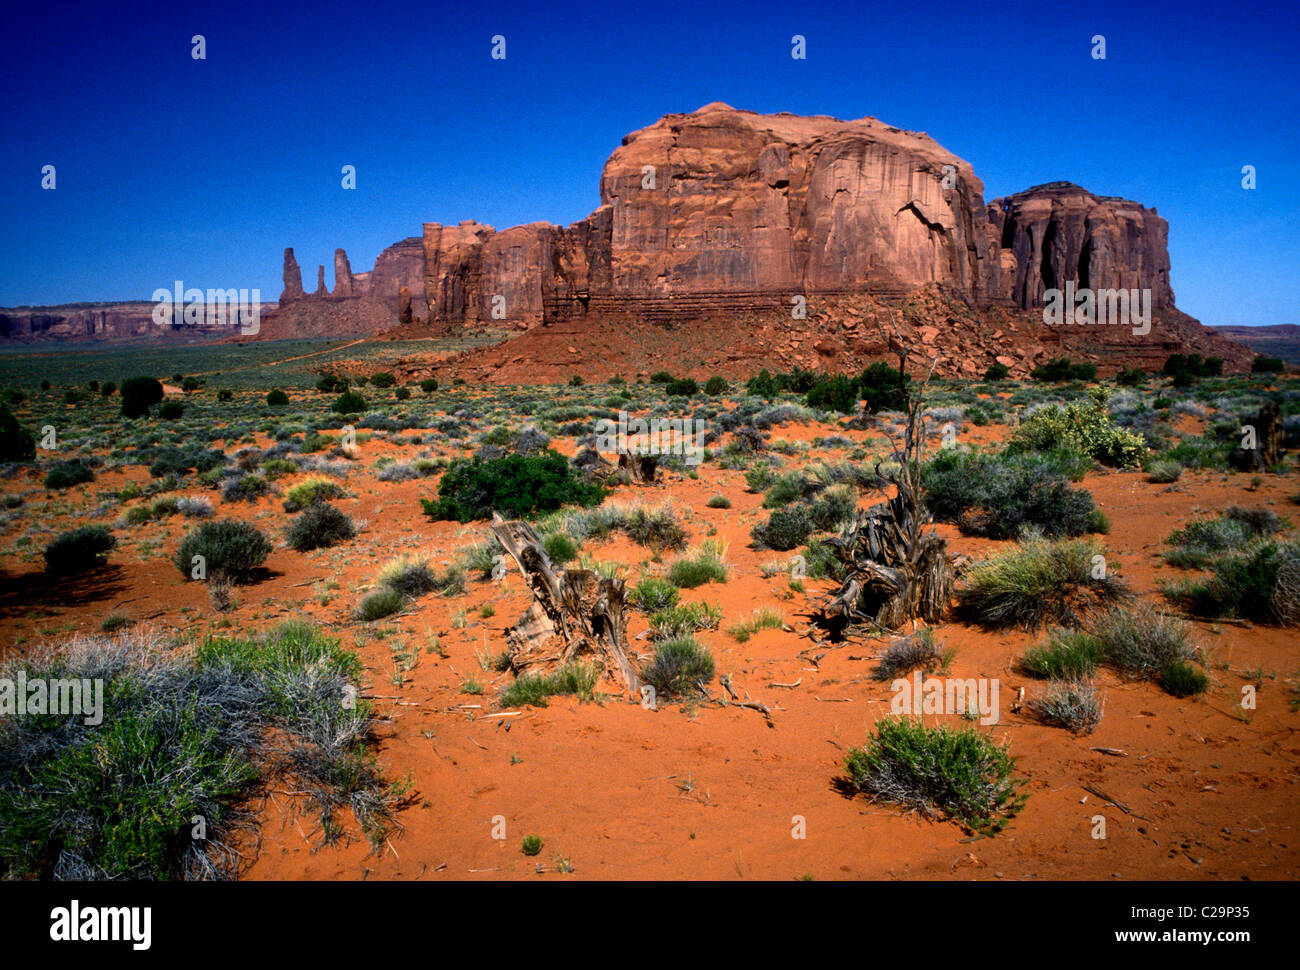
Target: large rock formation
[
  {"x": 343, "y": 287},
  {"x": 1059, "y": 233},
  {"x": 292, "y": 278}
]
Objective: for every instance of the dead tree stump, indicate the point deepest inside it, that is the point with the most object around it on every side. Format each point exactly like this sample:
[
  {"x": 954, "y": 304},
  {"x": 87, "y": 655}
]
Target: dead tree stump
[
  {"x": 574, "y": 612},
  {"x": 894, "y": 573},
  {"x": 1268, "y": 437}
]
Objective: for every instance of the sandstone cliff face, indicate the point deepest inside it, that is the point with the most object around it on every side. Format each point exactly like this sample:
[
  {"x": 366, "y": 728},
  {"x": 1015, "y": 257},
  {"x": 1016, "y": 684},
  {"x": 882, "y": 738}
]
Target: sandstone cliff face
[
  {"x": 343, "y": 287},
  {"x": 1059, "y": 232}
]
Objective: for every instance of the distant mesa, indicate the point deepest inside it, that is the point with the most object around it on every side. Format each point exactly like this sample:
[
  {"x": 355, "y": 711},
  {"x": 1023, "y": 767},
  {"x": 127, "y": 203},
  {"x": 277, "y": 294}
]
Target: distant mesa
[{"x": 725, "y": 216}]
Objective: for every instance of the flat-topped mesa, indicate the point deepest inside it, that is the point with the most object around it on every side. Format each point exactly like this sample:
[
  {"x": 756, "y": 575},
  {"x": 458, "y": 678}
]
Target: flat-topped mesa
[
  {"x": 292, "y": 278},
  {"x": 1060, "y": 232},
  {"x": 747, "y": 211},
  {"x": 343, "y": 285}
]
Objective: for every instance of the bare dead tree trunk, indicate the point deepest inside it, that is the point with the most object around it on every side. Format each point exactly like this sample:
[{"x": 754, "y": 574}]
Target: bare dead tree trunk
[
  {"x": 574, "y": 612},
  {"x": 894, "y": 572}
]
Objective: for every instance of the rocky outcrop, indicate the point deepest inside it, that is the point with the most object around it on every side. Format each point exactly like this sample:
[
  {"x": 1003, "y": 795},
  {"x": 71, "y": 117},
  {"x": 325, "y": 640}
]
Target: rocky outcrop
[
  {"x": 343, "y": 287},
  {"x": 1059, "y": 233},
  {"x": 292, "y": 278},
  {"x": 320, "y": 282}
]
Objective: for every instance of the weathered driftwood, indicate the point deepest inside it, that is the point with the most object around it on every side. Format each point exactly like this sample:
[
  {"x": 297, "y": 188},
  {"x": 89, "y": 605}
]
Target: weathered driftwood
[
  {"x": 894, "y": 572},
  {"x": 633, "y": 468},
  {"x": 574, "y": 612},
  {"x": 1269, "y": 436}
]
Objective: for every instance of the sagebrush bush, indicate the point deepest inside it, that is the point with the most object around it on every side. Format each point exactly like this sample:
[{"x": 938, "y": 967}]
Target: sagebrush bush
[
  {"x": 998, "y": 496},
  {"x": 514, "y": 485},
  {"x": 680, "y": 668},
  {"x": 1197, "y": 543},
  {"x": 1071, "y": 704},
  {"x": 784, "y": 529},
  {"x": 79, "y": 550},
  {"x": 651, "y": 595},
  {"x": 230, "y": 549},
  {"x": 310, "y": 491},
  {"x": 66, "y": 474},
  {"x": 411, "y": 577},
  {"x": 1141, "y": 641},
  {"x": 1258, "y": 583},
  {"x": 319, "y": 527},
  {"x": 1037, "y": 583},
  {"x": 244, "y": 488},
  {"x": 938, "y": 771}
]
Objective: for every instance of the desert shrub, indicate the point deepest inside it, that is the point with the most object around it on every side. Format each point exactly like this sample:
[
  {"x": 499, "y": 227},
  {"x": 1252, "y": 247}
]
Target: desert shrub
[
  {"x": 429, "y": 385},
  {"x": 1189, "y": 366},
  {"x": 1068, "y": 655},
  {"x": 715, "y": 386},
  {"x": 379, "y": 604},
  {"x": 679, "y": 669},
  {"x": 225, "y": 394},
  {"x": 310, "y": 491},
  {"x": 997, "y": 372},
  {"x": 514, "y": 485},
  {"x": 79, "y": 550},
  {"x": 245, "y": 488},
  {"x": 784, "y": 529},
  {"x": 16, "y": 442},
  {"x": 181, "y": 461},
  {"x": 349, "y": 402},
  {"x": 1131, "y": 377},
  {"x": 412, "y": 577},
  {"x": 139, "y": 394},
  {"x": 1140, "y": 642},
  {"x": 573, "y": 679},
  {"x": 319, "y": 527},
  {"x": 706, "y": 566},
  {"x": 1197, "y": 543},
  {"x": 682, "y": 387},
  {"x": 718, "y": 502},
  {"x": 918, "y": 651},
  {"x": 1267, "y": 365},
  {"x": 834, "y": 392},
  {"x": 883, "y": 387},
  {"x": 1063, "y": 369},
  {"x": 1182, "y": 679},
  {"x": 658, "y": 529},
  {"x": 820, "y": 561},
  {"x": 560, "y": 548},
  {"x": 661, "y": 377},
  {"x": 684, "y": 620},
  {"x": 762, "y": 385},
  {"x": 276, "y": 398},
  {"x": 1085, "y": 427},
  {"x": 229, "y": 548},
  {"x": 1257, "y": 583},
  {"x": 761, "y": 619},
  {"x": 188, "y": 736},
  {"x": 998, "y": 496},
  {"x": 66, "y": 474},
  {"x": 1071, "y": 704},
  {"x": 1164, "y": 471},
  {"x": 651, "y": 595},
  {"x": 402, "y": 393},
  {"x": 783, "y": 490},
  {"x": 938, "y": 771},
  {"x": 1037, "y": 583},
  {"x": 383, "y": 379},
  {"x": 109, "y": 389},
  {"x": 171, "y": 411}
]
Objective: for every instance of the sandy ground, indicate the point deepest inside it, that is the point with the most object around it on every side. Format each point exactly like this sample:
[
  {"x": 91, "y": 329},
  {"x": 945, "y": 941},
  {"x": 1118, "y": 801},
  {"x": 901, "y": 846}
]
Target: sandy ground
[{"x": 712, "y": 792}]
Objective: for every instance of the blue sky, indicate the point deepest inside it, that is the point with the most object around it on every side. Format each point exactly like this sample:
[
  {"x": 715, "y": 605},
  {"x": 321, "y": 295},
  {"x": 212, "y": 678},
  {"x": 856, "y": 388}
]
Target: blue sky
[{"x": 171, "y": 168}]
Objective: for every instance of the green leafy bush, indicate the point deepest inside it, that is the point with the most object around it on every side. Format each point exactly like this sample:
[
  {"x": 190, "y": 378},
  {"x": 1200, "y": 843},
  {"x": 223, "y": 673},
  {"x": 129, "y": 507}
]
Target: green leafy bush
[
  {"x": 310, "y": 491},
  {"x": 230, "y": 549},
  {"x": 320, "y": 527},
  {"x": 79, "y": 551},
  {"x": 1183, "y": 679},
  {"x": 706, "y": 566},
  {"x": 383, "y": 379},
  {"x": 1267, "y": 365},
  {"x": 276, "y": 398},
  {"x": 66, "y": 474},
  {"x": 1082, "y": 426},
  {"x": 514, "y": 485},
  {"x": 349, "y": 402},
  {"x": 784, "y": 529},
  {"x": 652, "y": 595},
  {"x": 574, "y": 679},
  {"x": 171, "y": 411},
  {"x": 682, "y": 387},
  {"x": 139, "y": 394},
  {"x": 938, "y": 771},
  {"x": 379, "y": 604},
  {"x": 679, "y": 669},
  {"x": 1068, "y": 655},
  {"x": 997, "y": 372},
  {"x": 1062, "y": 369},
  {"x": 715, "y": 386}
]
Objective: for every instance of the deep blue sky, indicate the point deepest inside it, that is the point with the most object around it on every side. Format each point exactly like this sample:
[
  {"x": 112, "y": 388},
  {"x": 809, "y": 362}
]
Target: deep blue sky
[{"x": 205, "y": 170}]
